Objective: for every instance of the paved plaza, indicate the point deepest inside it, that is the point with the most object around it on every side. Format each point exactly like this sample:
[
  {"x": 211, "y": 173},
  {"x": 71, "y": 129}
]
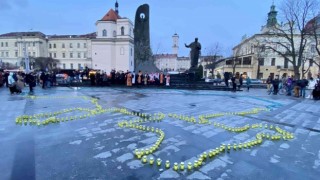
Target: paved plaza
[{"x": 102, "y": 145}]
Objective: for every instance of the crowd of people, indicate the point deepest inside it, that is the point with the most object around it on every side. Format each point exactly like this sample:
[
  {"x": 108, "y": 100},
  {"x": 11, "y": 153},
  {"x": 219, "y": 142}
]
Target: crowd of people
[
  {"x": 295, "y": 87},
  {"x": 16, "y": 81},
  {"x": 129, "y": 78}
]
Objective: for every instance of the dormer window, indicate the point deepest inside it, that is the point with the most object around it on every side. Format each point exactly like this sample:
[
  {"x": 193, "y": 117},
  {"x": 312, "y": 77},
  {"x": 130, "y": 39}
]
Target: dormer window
[
  {"x": 122, "y": 31},
  {"x": 104, "y": 32}
]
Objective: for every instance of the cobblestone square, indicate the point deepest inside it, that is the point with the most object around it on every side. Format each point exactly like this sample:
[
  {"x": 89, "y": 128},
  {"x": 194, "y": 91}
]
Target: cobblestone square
[{"x": 103, "y": 145}]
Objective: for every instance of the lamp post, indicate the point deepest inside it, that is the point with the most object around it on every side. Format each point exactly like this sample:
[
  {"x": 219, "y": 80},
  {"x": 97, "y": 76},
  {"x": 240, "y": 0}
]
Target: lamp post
[{"x": 26, "y": 58}]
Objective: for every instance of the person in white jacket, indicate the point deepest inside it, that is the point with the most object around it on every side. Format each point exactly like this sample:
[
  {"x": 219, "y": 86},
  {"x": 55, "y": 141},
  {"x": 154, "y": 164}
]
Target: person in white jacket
[{"x": 11, "y": 83}]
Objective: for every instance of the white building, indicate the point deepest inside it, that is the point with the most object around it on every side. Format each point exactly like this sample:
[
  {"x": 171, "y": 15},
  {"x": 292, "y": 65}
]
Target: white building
[
  {"x": 111, "y": 47},
  {"x": 254, "y": 57},
  {"x": 166, "y": 62},
  {"x": 73, "y": 51},
  {"x": 172, "y": 62},
  {"x": 12, "y": 47}
]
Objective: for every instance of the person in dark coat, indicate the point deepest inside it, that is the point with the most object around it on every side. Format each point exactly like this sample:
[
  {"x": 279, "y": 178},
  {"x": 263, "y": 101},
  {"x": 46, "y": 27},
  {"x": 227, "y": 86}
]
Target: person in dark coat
[
  {"x": 275, "y": 84},
  {"x": 234, "y": 85},
  {"x": 6, "y": 75},
  {"x": 42, "y": 78},
  {"x": 30, "y": 79},
  {"x": 92, "y": 79}
]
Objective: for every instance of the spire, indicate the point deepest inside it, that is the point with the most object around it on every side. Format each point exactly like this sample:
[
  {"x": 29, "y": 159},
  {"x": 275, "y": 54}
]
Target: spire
[
  {"x": 272, "y": 16},
  {"x": 116, "y": 7}
]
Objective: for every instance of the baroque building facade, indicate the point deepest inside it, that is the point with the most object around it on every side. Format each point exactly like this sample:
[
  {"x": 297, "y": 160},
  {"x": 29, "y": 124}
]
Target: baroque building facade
[
  {"x": 252, "y": 58},
  {"x": 110, "y": 47}
]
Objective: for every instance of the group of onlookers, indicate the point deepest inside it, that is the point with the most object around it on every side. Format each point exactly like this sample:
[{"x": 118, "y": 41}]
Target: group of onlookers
[
  {"x": 16, "y": 81},
  {"x": 295, "y": 87},
  {"x": 129, "y": 78}
]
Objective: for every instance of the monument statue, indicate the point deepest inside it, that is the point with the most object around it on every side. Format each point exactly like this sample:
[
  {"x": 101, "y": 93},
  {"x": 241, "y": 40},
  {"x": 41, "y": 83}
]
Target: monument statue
[
  {"x": 194, "y": 53},
  {"x": 143, "y": 59}
]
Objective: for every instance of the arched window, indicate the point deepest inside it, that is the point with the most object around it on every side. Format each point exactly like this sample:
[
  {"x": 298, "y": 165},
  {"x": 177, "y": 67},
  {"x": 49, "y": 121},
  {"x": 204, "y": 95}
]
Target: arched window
[
  {"x": 104, "y": 32},
  {"x": 114, "y": 33},
  {"x": 122, "y": 31}
]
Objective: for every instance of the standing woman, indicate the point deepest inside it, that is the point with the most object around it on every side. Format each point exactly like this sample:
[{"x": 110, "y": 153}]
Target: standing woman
[
  {"x": 139, "y": 78},
  {"x": 161, "y": 78},
  {"x": 129, "y": 79},
  {"x": 11, "y": 83},
  {"x": 19, "y": 83},
  {"x": 248, "y": 82},
  {"x": 168, "y": 80},
  {"x": 146, "y": 77}
]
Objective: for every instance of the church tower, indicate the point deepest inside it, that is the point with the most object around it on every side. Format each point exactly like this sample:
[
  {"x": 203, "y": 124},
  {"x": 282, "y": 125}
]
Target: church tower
[
  {"x": 117, "y": 7},
  {"x": 175, "y": 46},
  {"x": 272, "y": 17}
]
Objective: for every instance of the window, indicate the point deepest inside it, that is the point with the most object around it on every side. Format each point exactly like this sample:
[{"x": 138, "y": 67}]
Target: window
[
  {"x": 54, "y": 55},
  {"x": 79, "y": 66},
  {"x": 34, "y": 44},
  {"x": 54, "y": 46},
  {"x": 7, "y": 54},
  {"x": 85, "y": 45},
  {"x": 104, "y": 32},
  {"x": 63, "y": 46},
  {"x": 84, "y": 55},
  {"x": 122, "y": 31},
  {"x": 2, "y": 54},
  {"x": 273, "y": 61},
  {"x": 71, "y": 65},
  {"x": 79, "y": 55},
  {"x": 114, "y": 33},
  {"x": 64, "y": 66},
  {"x": 34, "y": 54},
  {"x": 286, "y": 61},
  {"x": 121, "y": 51},
  {"x": 6, "y": 44},
  {"x": 247, "y": 60},
  {"x": 16, "y": 54},
  {"x": 49, "y": 46},
  {"x": 50, "y": 55},
  {"x": 1, "y": 44},
  {"x": 70, "y": 45},
  {"x": 131, "y": 52},
  {"x": 71, "y": 55},
  {"x": 260, "y": 76},
  {"x": 63, "y": 55},
  {"x": 261, "y": 61},
  {"x": 78, "y": 45},
  {"x": 263, "y": 48},
  {"x": 16, "y": 44}
]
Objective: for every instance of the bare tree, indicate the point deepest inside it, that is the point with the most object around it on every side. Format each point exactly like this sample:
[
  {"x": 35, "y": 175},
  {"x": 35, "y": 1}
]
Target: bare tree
[
  {"x": 213, "y": 55},
  {"x": 289, "y": 39},
  {"x": 43, "y": 63}
]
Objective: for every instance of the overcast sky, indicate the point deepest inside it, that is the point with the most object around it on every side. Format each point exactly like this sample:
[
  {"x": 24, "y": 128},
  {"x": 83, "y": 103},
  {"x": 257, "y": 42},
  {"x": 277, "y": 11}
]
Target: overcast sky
[{"x": 222, "y": 21}]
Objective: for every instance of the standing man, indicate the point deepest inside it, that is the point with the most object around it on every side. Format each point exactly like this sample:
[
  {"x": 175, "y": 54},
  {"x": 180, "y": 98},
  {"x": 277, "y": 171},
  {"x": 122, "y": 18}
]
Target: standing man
[
  {"x": 275, "y": 84},
  {"x": 31, "y": 81},
  {"x": 269, "y": 81},
  {"x": 194, "y": 53},
  {"x": 303, "y": 84}
]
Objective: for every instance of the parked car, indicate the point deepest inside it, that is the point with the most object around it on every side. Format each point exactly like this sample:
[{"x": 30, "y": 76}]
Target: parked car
[{"x": 217, "y": 81}]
